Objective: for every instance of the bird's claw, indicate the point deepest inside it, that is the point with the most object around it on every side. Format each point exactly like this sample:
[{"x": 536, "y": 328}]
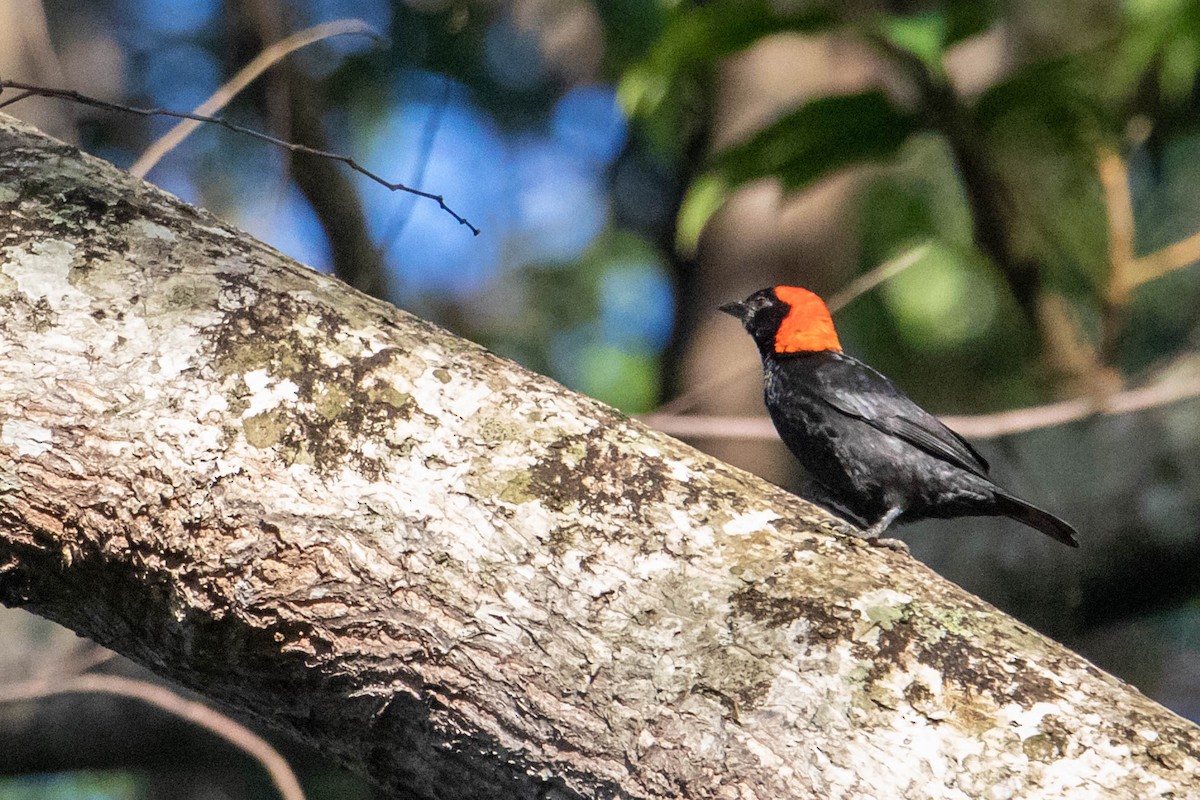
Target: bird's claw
[
  {"x": 842, "y": 527},
  {"x": 868, "y": 536},
  {"x": 895, "y": 545}
]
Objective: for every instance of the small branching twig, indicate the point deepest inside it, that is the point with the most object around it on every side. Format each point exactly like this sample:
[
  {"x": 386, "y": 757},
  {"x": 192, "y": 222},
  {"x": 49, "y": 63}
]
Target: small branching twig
[
  {"x": 29, "y": 90},
  {"x": 424, "y": 151},
  {"x": 1164, "y": 261}
]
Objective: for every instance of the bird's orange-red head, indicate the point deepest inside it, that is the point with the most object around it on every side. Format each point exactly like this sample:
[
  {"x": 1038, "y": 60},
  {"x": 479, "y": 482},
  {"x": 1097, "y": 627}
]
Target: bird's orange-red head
[
  {"x": 808, "y": 327},
  {"x": 786, "y": 319}
]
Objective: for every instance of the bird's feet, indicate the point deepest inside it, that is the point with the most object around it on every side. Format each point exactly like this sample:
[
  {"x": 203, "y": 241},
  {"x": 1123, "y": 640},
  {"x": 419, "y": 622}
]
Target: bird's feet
[
  {"x": 874, "y": 534},
  {"x": 895, "y": 545},
  {"x": 841, "y": 526},
  {"x": 870, "y": 535}
]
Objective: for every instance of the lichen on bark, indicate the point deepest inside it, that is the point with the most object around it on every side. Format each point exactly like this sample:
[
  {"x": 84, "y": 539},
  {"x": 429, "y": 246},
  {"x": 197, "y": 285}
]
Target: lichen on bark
[{"x": 458, "y": 576}]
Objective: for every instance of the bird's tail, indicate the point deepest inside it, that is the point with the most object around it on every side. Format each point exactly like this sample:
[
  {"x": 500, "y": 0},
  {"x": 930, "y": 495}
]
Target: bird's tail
[{"x": 1034, "y": 517}]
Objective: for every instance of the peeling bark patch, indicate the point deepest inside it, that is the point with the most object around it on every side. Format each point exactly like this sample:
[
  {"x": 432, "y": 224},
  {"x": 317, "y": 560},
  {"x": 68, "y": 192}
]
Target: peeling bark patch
[
  {"x": 757, "y": 605},
  {"x": 27, "y": 438},
  {"x": 1164, "y": 744},
  {"x": 81, "y": 214},
  {"x": 330, "y": 412},
  {"x": 564, "y": 477},
  {"x": 959, "y": 661}
]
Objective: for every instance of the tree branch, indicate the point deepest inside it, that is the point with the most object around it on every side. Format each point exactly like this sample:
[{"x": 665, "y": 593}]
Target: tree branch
[{"x": 458, "y": 577}]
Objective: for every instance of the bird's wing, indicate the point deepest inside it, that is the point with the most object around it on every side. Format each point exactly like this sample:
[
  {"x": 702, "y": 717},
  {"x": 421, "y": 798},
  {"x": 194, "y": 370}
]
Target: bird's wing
[{"x": 864, "y": 394}]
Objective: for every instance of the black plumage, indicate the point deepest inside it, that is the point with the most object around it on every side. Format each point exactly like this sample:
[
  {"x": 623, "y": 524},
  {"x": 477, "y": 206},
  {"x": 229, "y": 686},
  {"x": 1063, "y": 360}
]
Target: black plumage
[{"x": 874, "y": 454}]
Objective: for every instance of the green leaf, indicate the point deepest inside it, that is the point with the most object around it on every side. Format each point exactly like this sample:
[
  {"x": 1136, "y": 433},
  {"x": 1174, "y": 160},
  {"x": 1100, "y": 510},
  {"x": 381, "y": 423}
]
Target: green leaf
[
  {"x": 708, "y": 32},
  {"x": 1052, "y": 95},
  {"x": 666, "y": 90},
  {"x": 706, "y": 194},
  {"x": 967, "y": 18},
  {"x": 930, "y": 34},
  {"x": 920, "y": 34},
  {"x": 1179, "y": 61},
  {"x": 819, "y": 137},
  {"x": 1150, "y": 27},
  {"x": 631, "y": 28}
]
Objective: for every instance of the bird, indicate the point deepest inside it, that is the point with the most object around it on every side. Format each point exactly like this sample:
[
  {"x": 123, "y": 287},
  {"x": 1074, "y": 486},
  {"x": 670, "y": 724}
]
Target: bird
[{"x": 873, "y": 454}]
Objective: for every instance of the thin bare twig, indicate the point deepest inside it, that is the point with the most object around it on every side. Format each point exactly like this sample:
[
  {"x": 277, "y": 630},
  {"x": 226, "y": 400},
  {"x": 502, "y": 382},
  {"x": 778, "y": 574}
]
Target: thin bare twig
[
  {"x": 884, "y": 272},
  {"x": 1114, "y": 178},
  {"x": 1007, "y": 423},
  {"x": 29, "y": 90},
  {"x": 837, "y": 301},
  {"x": 211, "y": 720},
  {"x": 977, "y": 426},
  {"x": 1128, "y": 272},
  {"x": 220, "y": 98},
  {"x": 425, "y": 149},
  {"x": 687, "y": 400},
  {"x": 1118, "y": 206},
  {"x": 1165, "y": 260},
  {"x": 702, "y": 426}
]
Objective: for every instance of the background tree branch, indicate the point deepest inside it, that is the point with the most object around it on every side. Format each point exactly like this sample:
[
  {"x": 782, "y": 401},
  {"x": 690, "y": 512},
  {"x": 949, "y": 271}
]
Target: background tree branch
[{"x": 458, "y": 577}]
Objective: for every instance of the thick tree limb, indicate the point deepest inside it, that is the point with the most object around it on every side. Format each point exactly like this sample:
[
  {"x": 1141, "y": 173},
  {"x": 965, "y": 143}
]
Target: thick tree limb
[{"x": 459, "y": 577}]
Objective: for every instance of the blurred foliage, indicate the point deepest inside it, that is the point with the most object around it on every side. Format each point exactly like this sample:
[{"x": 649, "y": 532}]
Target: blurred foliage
[
  {"x": 1020, "y": 166},
  {"x": 73, "y": 786},
  {"x": 801, "y": 147},
  {"x": 1161, "y": 47},
  {"x": 821, "y": 136},
  {"x": 464, "y": 101},
  {"x": 667, "y": 90}
]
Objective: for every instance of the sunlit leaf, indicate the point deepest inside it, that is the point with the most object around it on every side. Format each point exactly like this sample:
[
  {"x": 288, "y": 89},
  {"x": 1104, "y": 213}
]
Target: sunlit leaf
[
  {"x": 706, "y": 194},
  {"x": 920, "y": 34},
  {"x": 641, "y": 91},
  {"x": 928, "y": 35},
  {"x": 1161, "y": 40}
]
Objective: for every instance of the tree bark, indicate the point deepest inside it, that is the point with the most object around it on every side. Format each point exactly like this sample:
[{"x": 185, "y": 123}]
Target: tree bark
[{"x": 460, "y": 578}]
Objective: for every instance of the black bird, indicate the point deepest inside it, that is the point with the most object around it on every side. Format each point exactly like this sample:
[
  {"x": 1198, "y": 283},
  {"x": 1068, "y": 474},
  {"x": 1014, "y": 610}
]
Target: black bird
[{"x": 874, "y": 454}]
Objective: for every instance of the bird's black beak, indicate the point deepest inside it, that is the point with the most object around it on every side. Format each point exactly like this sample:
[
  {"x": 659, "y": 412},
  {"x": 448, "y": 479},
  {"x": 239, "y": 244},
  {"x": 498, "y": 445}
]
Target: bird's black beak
[{"x": 738, "y": 310}]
